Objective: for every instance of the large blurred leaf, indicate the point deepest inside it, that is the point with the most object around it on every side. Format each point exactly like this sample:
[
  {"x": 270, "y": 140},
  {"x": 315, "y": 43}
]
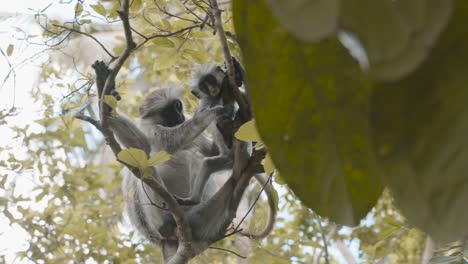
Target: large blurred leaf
[
  {"x": 396, "y": 34},
  {"x": 421, "y": 20},
  {"x": 311, "y": 108},
  {"x": 421, "y": 134},
  {"x": 309, "y": 20},
  {"x": 378, "y": 25}
]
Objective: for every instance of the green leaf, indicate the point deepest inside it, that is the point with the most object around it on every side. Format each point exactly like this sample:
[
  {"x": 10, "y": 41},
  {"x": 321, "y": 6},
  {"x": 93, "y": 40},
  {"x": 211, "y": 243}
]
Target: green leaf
[
  {"x": 134, "y": 157},
  {"x": 391, "y": 221},
  {"x": 41, "y": 195},
  {"x": 159, "y": 158},
  {"x": 387, "y": 232},
  {"x": 311, "y": 105},
  {"x": 136, "y": 5},
  {"x": 99, "y": 8},
  {"x": 9, "y": 215},
  {"x": 147, "y": 172},
  {"x": 163, "y": 43},
  {"x": 110, "y": 101},
  {"x": 79, "y": 9},
  {"x": 165, "y": 60},
  {"x": 248, "y": 132},
  {"x": 420, "y": 128},
  {"x": 3, "y": 179},
  {"x": 195, "y": 55},
  {"x": 268, "y": 164},
  {"x": 10, "y": 49}
]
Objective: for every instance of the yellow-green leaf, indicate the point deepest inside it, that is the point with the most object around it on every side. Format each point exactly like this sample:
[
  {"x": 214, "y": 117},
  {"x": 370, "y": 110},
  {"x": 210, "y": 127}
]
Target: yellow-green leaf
[
  {"x": 194, "y": 55},
  {"x": 159, "y": 158},
  {"x": 147, "y": 172},
  {"x": 163, "y": 43},
  {"x": 10, "y": 49},
  {"x": 248, "y": 132},
  {"x": 110, "y": 101},
  {"x": 79, "y": 9},
  {"x": 134, "y": 157},
  {"x": 268, "y": 165},
  {"x": 99, "y": 8}
]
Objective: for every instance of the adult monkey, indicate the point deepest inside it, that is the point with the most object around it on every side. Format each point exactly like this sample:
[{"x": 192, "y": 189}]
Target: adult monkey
[{"x": 163, "y": 127}]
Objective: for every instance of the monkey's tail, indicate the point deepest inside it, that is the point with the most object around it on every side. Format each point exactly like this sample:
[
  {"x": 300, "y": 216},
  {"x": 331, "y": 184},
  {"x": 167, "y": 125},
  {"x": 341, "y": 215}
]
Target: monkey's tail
[{"x": 272, "y": 204}]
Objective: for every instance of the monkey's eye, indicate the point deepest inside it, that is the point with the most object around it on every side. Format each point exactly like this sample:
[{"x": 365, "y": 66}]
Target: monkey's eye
[{"x": 178, "y": 105}]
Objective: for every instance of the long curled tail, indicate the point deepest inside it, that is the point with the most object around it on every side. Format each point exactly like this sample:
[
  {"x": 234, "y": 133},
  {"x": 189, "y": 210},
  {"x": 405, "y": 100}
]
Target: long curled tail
[{"x": 272, "y": 204}]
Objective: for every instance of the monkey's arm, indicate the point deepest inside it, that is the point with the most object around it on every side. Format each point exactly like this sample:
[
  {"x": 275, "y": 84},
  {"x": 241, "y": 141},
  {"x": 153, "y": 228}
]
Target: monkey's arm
[
  {"x": 209, "y": 166},
  {"x": 207, "y": 147},
  {"x": 172, "y": 139},
  {"x": 129, "y": 134}
]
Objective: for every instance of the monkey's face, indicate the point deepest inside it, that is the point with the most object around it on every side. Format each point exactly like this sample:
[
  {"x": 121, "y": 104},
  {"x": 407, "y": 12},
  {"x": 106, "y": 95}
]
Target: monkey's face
[
  {"x": 172, "y": 114},
  {"x": 210, "y": 85}
]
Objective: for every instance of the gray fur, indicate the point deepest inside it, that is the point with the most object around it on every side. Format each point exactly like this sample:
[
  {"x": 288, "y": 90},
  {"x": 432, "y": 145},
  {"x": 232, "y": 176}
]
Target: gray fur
[{"x": 186, "y": 175}]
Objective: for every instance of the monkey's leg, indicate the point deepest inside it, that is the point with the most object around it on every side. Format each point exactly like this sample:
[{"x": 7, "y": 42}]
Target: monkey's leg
[
  {"x": 209, "y": 166},
  {"x": 209, "y": 220}
]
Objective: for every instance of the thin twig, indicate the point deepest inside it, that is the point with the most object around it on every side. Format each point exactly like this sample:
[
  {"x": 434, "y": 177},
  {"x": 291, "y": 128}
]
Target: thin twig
[
  {"x": 162, "y": 207},
  {"x": 236, "y": 230},
  {"x": 325, "y": 240},
  {"x": 113, "y": 57},
  {"x": 230, "y": 251}
]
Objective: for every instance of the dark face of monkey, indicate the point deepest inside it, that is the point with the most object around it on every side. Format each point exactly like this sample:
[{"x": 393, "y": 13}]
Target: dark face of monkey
[
  {"x": 211, "y": 84},
  {"x": 172, "y": 114}
]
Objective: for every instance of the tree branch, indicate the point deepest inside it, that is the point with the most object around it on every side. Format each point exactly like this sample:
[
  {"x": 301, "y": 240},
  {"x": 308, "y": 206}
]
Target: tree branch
[
  {"x": 90, "y": 120},
  {"x": 218, "y": 24},
  {"x": 113, "y": 57}
]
